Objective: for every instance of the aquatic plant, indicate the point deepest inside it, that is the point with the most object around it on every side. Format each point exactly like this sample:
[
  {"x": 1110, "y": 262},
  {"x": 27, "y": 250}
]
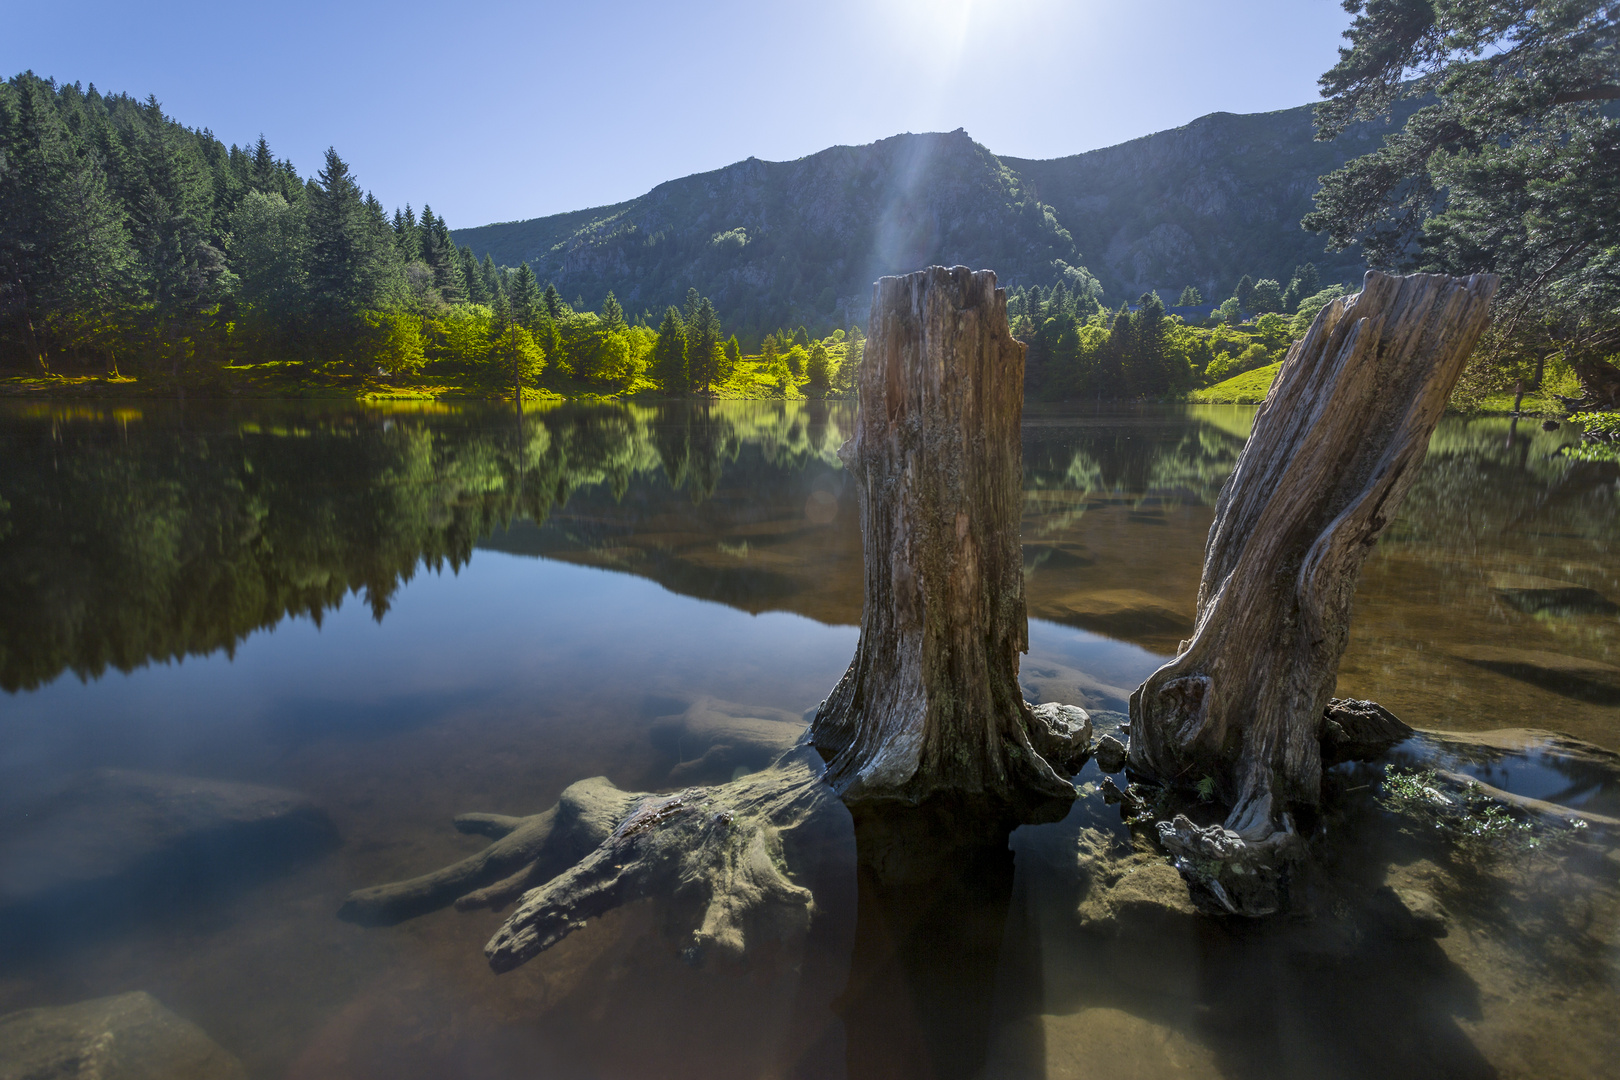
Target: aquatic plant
[{"x": 1480, "y": 827}]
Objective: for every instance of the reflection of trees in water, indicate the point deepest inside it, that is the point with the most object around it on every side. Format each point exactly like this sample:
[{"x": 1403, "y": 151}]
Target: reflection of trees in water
[
  {"x": 1173, "y": 461},
  {"x": 123, "y": 543},
  {"x": 1478, "y": 484}
]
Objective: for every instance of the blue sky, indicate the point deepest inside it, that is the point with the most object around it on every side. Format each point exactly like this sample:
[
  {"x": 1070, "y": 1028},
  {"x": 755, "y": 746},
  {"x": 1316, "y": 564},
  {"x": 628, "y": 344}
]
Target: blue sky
[{"x": 502, "y": 110}]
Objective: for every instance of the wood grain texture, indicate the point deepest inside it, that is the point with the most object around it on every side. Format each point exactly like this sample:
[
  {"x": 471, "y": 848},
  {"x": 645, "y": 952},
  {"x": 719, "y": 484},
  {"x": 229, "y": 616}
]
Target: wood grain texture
[
  {"x": 1334, "y": 449},
  {"x": 931, "y": 702}
]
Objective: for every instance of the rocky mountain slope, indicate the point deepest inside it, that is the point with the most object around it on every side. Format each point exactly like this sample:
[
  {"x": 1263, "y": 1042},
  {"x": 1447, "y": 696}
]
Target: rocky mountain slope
[{"x": 778, "y": 243}]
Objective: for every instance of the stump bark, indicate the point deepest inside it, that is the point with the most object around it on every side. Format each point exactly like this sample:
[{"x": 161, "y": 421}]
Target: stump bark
[
  {"x": 1334, "y": 449},
  {"x": 931, "y": 704}
]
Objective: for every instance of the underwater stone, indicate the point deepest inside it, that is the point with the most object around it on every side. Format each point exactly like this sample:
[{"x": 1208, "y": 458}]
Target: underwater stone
[
  {"x": 127, "y": 1037},
  {"x": 112, "y": 823}
]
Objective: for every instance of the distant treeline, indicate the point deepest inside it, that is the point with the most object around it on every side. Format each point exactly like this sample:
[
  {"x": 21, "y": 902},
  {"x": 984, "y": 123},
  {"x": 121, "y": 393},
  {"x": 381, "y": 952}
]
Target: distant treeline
[
  {"x": 133, "y": 244},
  {"x": 1080, "y": 349}
]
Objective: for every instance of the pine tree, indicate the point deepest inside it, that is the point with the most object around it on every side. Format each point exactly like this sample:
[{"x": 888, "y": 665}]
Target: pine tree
[
  {"x": 553, "y": 302},
  {"x": 669, "y": 355},
  {"x": 703, "y": 346},
  {"x": 349, "y": 260},
  {"x": 477, "y": 289},
  {"x": 525, "y": 295},
  {"x": 848, "y": 375},
  {"x": 494, "y": 283},
  {"x": 1190, "y": 297},
  {"x": 442, "y": 258},
  {"x": 264, "y": 175},
  {"x": 801, "y": 336},
  {"x": 819, "y": 369},
  {"x": 64, "y": 247},
  {"x": 407, "y": 237},
  {"x": 1244, "y": 293},
  {"x": 613, "y": 315}
]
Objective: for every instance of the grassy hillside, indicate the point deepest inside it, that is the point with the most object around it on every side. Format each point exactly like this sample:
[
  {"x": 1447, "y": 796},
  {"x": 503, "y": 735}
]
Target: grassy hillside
[{"x": 1250, "y": 388}]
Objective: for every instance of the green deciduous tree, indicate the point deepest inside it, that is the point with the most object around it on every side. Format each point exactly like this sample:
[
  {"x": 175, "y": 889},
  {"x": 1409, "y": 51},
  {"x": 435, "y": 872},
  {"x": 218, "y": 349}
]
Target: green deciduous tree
[{"x": 1267, "y": 296}]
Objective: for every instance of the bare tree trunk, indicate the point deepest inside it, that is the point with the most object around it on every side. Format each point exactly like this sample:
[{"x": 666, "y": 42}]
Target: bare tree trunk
[
  {"x": 1335, "y": 448},
  {"x": 931, "y": 704}
]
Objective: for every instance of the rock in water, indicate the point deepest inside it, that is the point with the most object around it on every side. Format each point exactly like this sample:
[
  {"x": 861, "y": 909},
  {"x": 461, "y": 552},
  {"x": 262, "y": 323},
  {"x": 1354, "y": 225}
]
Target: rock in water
[
  {"x": 1538, "y": 594},
  {"x": 113, "y": 824},
  {"x": 1572, "y": 676},
  {"x": 127, "y": 1037},
  {"x": 1110, "y": 754}
]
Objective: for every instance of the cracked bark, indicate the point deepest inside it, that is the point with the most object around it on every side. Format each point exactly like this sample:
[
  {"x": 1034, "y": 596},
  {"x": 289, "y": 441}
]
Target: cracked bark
[
  {"x": 931, "y": 705},
  {"x": 1335, "y": 447}
]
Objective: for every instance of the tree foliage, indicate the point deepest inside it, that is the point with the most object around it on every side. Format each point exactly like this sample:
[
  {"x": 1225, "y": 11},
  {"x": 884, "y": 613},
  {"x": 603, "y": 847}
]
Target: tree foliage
[
  {"x": 127, "y": 239},
  {"x": 1511, "y": 165}
]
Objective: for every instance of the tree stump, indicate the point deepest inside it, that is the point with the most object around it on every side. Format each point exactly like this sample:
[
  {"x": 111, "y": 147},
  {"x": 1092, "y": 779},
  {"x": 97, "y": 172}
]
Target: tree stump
[
  {"x": 930, "y": 704},
  {"x": 1335, "y": 447}
]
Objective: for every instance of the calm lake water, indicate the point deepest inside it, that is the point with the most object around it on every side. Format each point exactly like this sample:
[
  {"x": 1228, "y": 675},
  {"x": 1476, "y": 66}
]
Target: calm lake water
[{"x": 407, "y": 614}]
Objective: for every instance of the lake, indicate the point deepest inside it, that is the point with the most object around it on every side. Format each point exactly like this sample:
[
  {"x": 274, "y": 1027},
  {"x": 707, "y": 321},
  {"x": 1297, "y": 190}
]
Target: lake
[{"x": 393, "y": 616}]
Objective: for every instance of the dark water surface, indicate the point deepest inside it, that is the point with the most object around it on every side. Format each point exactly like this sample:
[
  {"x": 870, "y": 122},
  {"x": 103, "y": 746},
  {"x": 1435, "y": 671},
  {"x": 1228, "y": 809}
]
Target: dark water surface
[{"x": 409, "y": 614}]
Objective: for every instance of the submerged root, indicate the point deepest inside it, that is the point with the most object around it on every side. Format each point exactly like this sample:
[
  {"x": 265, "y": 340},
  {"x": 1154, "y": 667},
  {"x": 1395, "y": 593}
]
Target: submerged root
[{"x": 713, "y": 854}]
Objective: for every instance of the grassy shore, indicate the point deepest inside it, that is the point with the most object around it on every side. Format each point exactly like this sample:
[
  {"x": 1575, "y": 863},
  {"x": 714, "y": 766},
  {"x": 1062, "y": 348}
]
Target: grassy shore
[{"x": 1251, "y": 387}]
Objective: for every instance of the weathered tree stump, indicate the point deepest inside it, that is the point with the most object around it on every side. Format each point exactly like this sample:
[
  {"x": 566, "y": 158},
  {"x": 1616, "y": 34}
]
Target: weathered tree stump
[
  {"x": 930, "y": 710},
  {"x": 930, "y": 704},
  {"x": 1335, "y": 447}
]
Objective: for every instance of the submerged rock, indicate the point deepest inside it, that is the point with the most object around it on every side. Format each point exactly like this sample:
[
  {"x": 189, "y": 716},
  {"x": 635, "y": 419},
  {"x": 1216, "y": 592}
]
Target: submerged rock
[
  {"x": 1128, "y": 890},
  {"x": 1123, "y": 613},
  {"x": 714, "y": 741},
  {"x": 114, "y": 824},
  {"x": 1099, "y": 1041},
  {"x": 127, "y": 1037},
  {"x": 1538, "y": 594},
  {"x": 1574, "y": 676},
  {"x": 1425, "y": 910}
]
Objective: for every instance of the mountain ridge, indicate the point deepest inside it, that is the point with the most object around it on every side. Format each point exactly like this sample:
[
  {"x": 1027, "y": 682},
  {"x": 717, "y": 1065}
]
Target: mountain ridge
[{"x": 777, "y": 243}]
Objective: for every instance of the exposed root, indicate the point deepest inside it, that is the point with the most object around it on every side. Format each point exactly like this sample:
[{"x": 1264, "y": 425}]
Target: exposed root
[{"x": 713, "y": 854}]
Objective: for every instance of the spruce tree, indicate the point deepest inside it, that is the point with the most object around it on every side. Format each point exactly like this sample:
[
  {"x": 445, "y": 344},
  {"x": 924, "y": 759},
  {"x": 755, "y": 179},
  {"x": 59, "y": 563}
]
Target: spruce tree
[
  {"x": 1244, "y": 294},
  {"x": 64, "y": 247},
  {"x": 494, "y": 283},
  {"x": 669, "y": 355},
  {"x": 703, "y": 346},
  {"x": 819, "y": 369},
  {"x": 1190, "y": 297},
  {"x": 477, "y": 289},
  {"x": 349, "y": 260},
  {"x": 613, "y": 315},
  {"x": 553, "y": 302},
  {"x": 524, "y": 293},
  {"x": 847, "y": 376}
]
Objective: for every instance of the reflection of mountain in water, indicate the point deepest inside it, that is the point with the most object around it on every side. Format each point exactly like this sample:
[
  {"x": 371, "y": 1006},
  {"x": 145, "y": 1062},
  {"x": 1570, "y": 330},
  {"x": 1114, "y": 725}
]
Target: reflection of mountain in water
[{"x": 126, "y": 540}]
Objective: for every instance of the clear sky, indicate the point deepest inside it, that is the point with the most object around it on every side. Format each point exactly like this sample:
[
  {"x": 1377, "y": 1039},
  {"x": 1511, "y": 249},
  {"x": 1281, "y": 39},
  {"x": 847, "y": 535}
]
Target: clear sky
[{"x": 501, "y": 110}]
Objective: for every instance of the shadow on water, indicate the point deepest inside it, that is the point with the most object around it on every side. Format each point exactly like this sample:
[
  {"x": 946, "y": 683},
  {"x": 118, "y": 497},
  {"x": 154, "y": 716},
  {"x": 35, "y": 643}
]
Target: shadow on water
[{"x": 934, "y": 887}]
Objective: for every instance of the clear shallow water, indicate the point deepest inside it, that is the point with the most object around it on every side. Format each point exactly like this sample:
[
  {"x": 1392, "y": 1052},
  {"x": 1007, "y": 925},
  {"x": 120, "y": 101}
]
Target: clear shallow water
[{"x": 408, "y": 615}]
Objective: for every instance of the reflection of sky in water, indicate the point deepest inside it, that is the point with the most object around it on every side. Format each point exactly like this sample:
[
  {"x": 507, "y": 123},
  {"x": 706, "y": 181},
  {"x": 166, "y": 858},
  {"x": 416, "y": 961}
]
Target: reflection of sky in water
[{"x": 508, "y": 634}]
